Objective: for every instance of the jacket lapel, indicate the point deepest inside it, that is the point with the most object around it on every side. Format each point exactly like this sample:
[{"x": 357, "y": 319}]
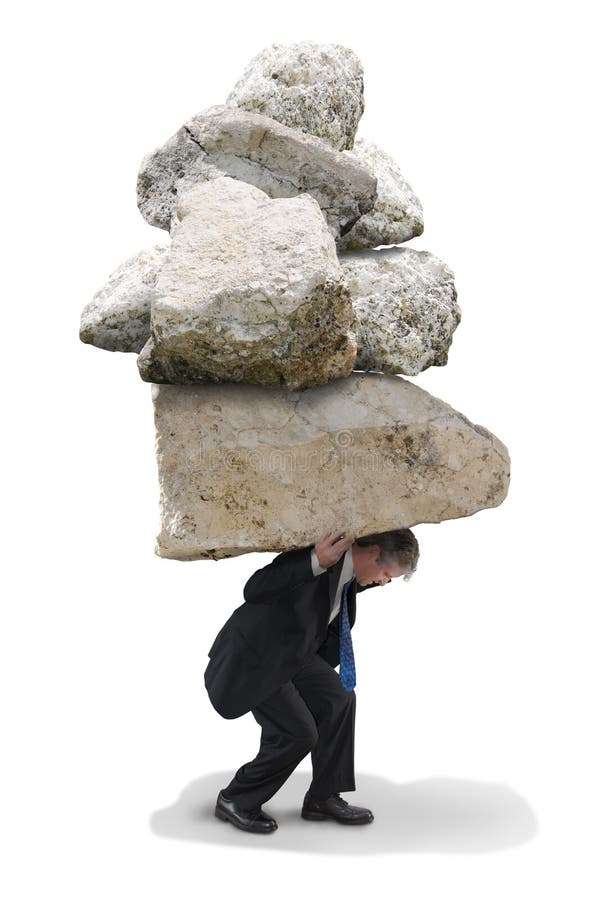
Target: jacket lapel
[{"x": 352, "y": 603}]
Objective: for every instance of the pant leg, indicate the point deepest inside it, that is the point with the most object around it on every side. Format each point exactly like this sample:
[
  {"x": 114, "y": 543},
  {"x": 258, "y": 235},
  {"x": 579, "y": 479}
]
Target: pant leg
[
  {"x": 334, "y": 711},
  {"x": 288, "y": 733}
]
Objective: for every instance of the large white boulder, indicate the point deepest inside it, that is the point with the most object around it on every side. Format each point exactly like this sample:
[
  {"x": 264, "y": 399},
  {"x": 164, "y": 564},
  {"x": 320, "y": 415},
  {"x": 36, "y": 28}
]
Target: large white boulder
[{"x": 244, "y": 468}]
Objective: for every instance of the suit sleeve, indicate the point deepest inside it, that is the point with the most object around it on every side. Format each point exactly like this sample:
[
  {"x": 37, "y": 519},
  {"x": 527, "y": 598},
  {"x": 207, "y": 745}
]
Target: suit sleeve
[{"x": 289, "y": 570}]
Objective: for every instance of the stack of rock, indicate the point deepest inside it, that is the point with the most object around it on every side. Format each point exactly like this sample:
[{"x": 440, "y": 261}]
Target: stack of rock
[{"x": 274, "y": 331}]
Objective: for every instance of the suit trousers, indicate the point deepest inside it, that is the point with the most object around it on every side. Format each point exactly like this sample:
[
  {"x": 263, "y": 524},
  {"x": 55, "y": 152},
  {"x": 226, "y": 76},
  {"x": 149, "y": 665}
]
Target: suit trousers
[{"x": 310, "y": 713}]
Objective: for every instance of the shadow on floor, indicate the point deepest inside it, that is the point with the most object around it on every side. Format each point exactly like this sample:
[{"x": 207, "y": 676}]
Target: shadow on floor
[{"x": 435, "y": 815}]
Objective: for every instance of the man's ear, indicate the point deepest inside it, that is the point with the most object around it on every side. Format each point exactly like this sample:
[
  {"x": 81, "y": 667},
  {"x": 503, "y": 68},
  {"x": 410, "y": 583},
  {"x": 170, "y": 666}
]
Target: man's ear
[{"x": 375, "y": 553}]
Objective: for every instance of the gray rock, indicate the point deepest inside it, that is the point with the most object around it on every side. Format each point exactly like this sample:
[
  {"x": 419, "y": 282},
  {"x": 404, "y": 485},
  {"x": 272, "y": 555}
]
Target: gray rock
[
  {"x": 406, "y": 309},
  {"x": 404, "y": 302},
  {"x": 397, "y": 214},
  {"x": 255, "y": 149},
  {"x": 118, "y": 316},
  {"x": 316, "y": 88},
  {"x": 244, "y": 468},
  {"x": 252, "y": 291}
]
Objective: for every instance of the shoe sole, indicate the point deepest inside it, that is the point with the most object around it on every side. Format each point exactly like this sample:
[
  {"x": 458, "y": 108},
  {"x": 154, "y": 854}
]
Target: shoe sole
[
  {"x": 226, "y": 818},
  {"x": 317, "y": 816}
]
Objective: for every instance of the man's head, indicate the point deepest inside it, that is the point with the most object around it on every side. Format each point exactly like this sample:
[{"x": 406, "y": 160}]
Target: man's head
[{"x": 378, "y": 558}]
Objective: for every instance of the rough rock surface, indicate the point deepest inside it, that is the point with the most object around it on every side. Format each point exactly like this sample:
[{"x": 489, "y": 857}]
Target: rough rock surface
[
  {"x": 244, "y": 468},
  {"x": 406, "y": 309},
  {"x": 252, "y": 291},
  {"x": 397, "y": 214},
  {"x": 404, "y": 302},
  {"x": 255, "y": 149},
  {"x": 316, "y": 88},
  {"x": 118, "y": 316}
]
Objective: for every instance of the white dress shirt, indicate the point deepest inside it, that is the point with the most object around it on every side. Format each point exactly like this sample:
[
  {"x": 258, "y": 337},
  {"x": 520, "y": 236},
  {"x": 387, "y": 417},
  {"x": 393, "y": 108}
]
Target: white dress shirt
[{"x": 346, "y": 574}]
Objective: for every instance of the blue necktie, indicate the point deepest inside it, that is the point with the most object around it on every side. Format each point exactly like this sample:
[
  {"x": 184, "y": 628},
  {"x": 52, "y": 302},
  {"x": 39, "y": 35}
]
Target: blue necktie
[{"x": 347, "y": 667}]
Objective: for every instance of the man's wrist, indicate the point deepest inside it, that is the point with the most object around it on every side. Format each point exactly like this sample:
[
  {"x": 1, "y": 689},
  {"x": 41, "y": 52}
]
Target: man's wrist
[{"x": 317, "y": 568}]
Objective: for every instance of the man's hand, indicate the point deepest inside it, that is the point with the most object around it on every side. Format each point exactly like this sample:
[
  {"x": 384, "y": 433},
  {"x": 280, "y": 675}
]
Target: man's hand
[{"x": 331, "y": 546}]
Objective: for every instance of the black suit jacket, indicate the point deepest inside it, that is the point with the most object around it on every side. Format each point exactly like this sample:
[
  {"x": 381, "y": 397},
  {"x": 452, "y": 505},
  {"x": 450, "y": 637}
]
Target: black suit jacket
[{"x": 283, "y": 622}]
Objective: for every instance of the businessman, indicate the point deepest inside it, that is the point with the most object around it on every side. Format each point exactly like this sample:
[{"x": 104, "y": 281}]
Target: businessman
[{"x": 276, "y": 657}]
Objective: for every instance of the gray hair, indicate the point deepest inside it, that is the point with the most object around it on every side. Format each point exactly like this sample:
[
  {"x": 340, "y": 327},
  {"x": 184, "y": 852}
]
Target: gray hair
[{"x": 398, "y": 546}]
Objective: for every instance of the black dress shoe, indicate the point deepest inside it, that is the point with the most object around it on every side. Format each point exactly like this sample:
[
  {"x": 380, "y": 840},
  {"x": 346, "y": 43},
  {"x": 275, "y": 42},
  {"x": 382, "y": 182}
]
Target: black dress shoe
[
  {"x": 335, "y": 807},
  {"x": 246, "y": 819}
]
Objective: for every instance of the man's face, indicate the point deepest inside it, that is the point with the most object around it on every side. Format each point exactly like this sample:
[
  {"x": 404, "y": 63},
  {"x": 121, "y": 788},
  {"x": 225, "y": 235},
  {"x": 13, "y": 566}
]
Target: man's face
[{"x": 369, "y": 569}]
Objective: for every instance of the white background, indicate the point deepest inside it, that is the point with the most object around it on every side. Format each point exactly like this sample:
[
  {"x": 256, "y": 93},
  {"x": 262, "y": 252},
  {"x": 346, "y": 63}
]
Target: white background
[{"x": 474, "y": 741}]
